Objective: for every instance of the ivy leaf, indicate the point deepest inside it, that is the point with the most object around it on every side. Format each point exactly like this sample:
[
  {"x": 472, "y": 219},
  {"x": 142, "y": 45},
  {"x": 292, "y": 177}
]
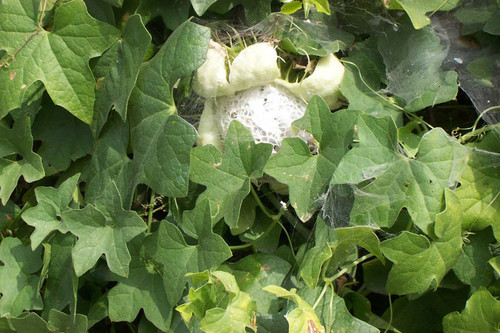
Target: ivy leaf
[
  {"x": 400, "y": 181},
  {"x": 59, "y": 57},
  {"x": 228, "y": 175},
  {"x": 302, "y": 318},
  {"x": 18, "y": 284},
  {"x": 110, "y": 162},
  {"x": 481, "y": 314},
  {"x": 29, "y": 322},
  {"x": 67, "y": 323},
  {"x": 183, "y": 52},
  {"x": 420, "y": 263},
  {"x": 143, "y": 289},
  {"x": 333, "y": 312},
  {"x": 220, "y": 304},
  {"x": 62, "y": 284},
  {"x": 117, "y": 84},
  {"x": 480, "y": 187},
  {"x": 173, "y": 13},
  {"x": 176, "y": 258},
  {"x": 201, "y": 6},
  {"x": 308, "y": 175},
  {"x": 103, "y": 229},
  {"x": 17, "y": 140},
  {"x": 416, "y": 10},
  {"x": 45, "y": 217},
  {"x": 161, "y": 154},
  {"x": 254, "y": 272},
  {"x": 64, "y": 138},
  {"x": 414, "y": 75},
  {"x": 157, "y": 134}
]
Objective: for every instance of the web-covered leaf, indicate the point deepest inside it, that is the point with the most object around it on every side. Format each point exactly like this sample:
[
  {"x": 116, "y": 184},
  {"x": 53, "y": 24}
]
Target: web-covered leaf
[
  {"x": 227, "y": 174},
  {"x": 417, "y": 9},
  {"x": 18, "y": 282},
  {"x": 103, "y": 229},
  {"x": 17, "y": 141},
  {"x": 413, "y": 61},
  {"x": 45, "y": 217},
  {"x": 419, "y": 263},
  {"x": 59, "y": 57},
  {"x": 395, "y": 180},
  {"x": 308, "y": 175}
]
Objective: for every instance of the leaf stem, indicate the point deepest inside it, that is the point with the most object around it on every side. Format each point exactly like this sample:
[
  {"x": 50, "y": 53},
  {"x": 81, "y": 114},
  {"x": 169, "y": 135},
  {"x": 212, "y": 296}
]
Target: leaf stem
[
  {"x": 152, "y": 200},
  {"x": 348, "y": 267},
  {"x": 275, "y": 219},
  {"x": 322, "y": 294},
  {"x": 261, "y": 205}
]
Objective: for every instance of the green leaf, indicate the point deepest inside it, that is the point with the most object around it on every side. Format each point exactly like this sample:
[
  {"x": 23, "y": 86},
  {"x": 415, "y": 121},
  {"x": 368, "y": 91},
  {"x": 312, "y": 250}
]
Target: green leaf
[
  {"x": 256, "y": 271},
  {"x": 67, "y": 323},
  {"x": 173, "y": 12},
  {"x": 480, "y": 187},
  {"x": 45, "y": 217},
  {"x": 322, "y": 6},
  {"x": 103, "y": 229},
  {"x": 302, "y": 318},
  {"x": 62, "y": 284},
  {"x": 59, "y": 57},
  {"x": 143, "y": 289},
  {"x": 308, "y": 175},
  {"x": 481, "y": 314},
  {"x": 420, "y": 264},
  {"x": 472, "y": 266},
  {"x": 30, "y": 322},
  {"x": 425, "y": 314},
  {"x": 415, "y": 75},
  {"x": 227, "y": 175},
  {"x": 416, "y": 9},
  {"x": 18, "y": 284},
  {"x": 291, "y": 7},
  {"x": 333, "y": 312},
  {"x": 415, "y": 183},
  {"x": 110, "y": 162},
  {"x": 183, "y": 52},
  {"x": 161, "y": 153},
  {"x": 201, "y": 6},
  {"x": 17, "y": 140},
  {"x": 64, "y": 138},
  {"x": 8, "y": 214},
  {"x": 176, "y": 258},
  {"x": 116, "y": 86},
  {"x": 314, "y": 37}
]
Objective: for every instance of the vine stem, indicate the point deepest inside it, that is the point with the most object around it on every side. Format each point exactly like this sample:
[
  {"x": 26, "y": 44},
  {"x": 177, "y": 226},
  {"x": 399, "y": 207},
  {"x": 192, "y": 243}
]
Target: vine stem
[
  {"x": 152, "y": 200},
  {"x": 275, "y": 220},
  {"x": 328, "y": 281}
]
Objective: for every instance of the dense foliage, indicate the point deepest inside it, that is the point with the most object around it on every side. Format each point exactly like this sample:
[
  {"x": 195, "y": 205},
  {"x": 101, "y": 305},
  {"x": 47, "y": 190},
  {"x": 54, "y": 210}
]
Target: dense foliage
[{"x": 113, "y": 219}]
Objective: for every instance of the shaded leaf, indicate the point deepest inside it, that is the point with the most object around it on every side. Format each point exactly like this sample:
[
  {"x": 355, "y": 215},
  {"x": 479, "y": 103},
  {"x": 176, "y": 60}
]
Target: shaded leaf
[
  {"x": 18, "y": 282},
  {"x": 17, "y": 141}
]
